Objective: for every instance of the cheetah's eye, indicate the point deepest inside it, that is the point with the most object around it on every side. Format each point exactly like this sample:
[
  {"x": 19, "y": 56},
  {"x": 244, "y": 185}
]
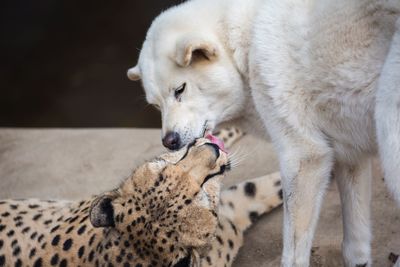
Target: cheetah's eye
[{"x": 179, "y": 91}]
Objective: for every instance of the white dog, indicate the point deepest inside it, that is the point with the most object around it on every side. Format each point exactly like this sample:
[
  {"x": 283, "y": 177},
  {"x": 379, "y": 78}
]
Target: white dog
[{"x": 323, "y": 76}]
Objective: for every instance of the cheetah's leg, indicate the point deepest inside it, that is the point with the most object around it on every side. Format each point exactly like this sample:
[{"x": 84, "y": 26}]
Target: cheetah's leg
[
  {"x": 244, "y": 202},
  {"x": 240, "y": 205}
]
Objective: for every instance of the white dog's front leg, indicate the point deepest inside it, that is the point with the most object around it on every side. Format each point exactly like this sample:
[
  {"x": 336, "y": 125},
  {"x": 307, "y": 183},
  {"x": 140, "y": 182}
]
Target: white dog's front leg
[
  {"x": 306, "y": 169},
  {"x": 354, "y": 182}
]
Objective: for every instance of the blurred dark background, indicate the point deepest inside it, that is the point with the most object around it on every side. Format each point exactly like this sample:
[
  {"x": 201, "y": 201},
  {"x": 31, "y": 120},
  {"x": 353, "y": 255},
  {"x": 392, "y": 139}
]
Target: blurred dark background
[{"x": 63, "y": 63}]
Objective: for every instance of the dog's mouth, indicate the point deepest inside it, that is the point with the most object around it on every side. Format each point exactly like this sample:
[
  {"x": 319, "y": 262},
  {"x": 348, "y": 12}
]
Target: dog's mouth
[
  {"x": 226, "y": 167},
  {"x": 207, "y": 133},
  {"x": 216, "y": 141}
]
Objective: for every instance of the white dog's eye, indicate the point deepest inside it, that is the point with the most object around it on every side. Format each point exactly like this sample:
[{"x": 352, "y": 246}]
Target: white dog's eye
[{"x": 179, "y": 91}]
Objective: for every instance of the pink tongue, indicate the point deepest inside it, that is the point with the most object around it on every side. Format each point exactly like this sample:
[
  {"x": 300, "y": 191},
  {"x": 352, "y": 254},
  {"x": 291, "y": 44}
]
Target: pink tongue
[{"x": 216, "y": 141}]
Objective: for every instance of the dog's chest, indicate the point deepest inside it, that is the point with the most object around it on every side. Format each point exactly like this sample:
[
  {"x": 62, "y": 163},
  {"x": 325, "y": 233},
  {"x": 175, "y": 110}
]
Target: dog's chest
[
  {"x": 322, "y": 77},
  {"x": 346, "y": 118}
]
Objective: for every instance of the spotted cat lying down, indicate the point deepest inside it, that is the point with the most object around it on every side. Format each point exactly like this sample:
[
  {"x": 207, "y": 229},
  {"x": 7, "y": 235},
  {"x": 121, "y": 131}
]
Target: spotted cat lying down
[{"x": 170, "y": 212}]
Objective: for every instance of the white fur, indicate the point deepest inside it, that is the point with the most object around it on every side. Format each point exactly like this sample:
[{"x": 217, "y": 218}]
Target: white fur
[
  {"x": 313, "y": 68},
  {"x": 388, "y": 115}
]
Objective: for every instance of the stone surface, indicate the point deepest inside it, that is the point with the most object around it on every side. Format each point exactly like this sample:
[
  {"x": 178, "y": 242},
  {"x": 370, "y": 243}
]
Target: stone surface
[{"x": 72, "y": 164}]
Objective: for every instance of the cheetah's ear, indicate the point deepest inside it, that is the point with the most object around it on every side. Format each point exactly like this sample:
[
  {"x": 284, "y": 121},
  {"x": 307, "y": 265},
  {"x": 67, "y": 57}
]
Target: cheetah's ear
[{"x": 102, "y": 211}]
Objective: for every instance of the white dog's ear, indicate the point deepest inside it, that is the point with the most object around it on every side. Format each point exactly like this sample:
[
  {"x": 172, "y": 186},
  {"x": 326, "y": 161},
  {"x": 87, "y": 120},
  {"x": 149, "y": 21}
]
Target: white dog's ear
[
  {"x": 134, "y": 73},
  {"x": 191, "y": 49}
]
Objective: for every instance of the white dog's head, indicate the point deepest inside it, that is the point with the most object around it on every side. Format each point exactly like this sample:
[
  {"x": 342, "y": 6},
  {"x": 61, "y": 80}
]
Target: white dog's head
[{"x": 188, "y": 73}]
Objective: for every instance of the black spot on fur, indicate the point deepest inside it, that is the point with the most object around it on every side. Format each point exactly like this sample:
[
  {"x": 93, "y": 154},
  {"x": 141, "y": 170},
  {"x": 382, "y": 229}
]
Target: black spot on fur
[
  {"x": 82, "y": 229},
  {"x": 2, "y": 260},
  {"x": 18, "y": 263},
  {"x": 54, "y": 260},
  {"x": 1, "y": 243},
  {"x": 233, "y": 187},
  {"x": 81, "y": 251},
  {"x": 219, "y": 239},
  {"x": 40, "y": 238},
  {"x": 55, "y": 240},
  {"x": 14, "y": 243},
  {"x": 230, "y": 242},
  {"x": 2, "y": 227},
  {"x": 16, "y": 251},
  {"x": 91, "y": 240},
  {"x": 17, "y": 218},
  {"x": 37, "y": 217},
  {"x": 63, "y": 263},
  {"x": 55, "y": 228},
  {"x": 33, "y": 235},
  {"x": 233, "y": 227},
  {"x": 91, "y": 256},
  {"x": 253, "y": 215},
  {"x": 67, "y": 244},
  {"x": 250, "y": 189},
  {"x": 280, "y": 193},
  {"x": 277, "y": 183},
  {"x": 362, "y": 265},
  {"x": 73, "y": 219},
  {"x": 69, "y": 230},
  {"x": 38, "y": 263},
  {"x": 32, "y": 253},
  {"x": 10, "y": 233}
]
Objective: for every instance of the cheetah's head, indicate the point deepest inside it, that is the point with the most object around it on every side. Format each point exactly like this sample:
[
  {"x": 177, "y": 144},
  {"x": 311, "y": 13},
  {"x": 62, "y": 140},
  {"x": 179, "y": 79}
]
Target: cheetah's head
[{"x": 167, "y": 210}]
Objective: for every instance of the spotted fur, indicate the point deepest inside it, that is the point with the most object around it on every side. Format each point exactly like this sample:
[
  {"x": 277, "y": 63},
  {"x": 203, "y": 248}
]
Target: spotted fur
[{"x": 170, "y": 212}]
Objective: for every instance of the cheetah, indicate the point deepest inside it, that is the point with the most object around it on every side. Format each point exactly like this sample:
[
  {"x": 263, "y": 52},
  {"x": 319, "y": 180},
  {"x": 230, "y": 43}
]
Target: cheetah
[{"x": 170, "y": 212}]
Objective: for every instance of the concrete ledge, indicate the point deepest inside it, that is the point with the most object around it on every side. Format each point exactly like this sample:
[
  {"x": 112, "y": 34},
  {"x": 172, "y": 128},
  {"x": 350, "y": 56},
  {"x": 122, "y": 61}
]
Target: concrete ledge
[{"x": 72, "y": 164}]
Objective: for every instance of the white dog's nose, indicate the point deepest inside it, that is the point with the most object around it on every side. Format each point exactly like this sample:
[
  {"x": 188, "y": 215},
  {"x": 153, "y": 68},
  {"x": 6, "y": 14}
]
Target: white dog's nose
[{"x": 172, "y": 141}]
